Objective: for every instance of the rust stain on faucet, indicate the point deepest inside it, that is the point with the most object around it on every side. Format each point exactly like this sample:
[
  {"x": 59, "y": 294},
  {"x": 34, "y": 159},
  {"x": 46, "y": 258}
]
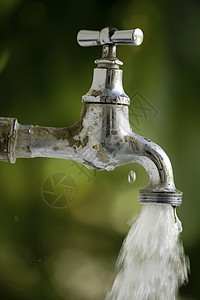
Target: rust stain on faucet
[
  {"x": 133, "y": 142},
  {"x": 102, "y": 155}
]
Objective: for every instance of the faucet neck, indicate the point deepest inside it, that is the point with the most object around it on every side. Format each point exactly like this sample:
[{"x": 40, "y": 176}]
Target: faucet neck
[
  {"x": 109, "y": 59},
  {"x": 107, "y": 80}
]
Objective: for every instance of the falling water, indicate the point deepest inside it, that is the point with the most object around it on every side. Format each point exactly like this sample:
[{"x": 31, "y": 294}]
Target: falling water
[{"x": 152, "y": 264}]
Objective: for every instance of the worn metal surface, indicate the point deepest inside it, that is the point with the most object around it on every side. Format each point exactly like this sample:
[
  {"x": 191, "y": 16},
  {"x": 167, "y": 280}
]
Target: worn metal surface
[
  {"x": 103, "y": 138},
  {"x": 6, "y": 137},
  {"x": 107, "y": 87}
]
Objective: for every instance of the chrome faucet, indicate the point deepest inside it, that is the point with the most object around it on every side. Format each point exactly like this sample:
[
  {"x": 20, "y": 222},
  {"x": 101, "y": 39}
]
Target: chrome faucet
[{"x": 103, "y": 138}]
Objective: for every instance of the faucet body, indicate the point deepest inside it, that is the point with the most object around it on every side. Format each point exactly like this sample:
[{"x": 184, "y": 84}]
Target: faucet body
[{"x": 102, "y": 139}]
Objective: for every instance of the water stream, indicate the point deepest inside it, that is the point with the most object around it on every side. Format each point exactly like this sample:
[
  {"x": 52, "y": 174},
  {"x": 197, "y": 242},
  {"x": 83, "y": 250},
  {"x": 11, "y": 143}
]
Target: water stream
[{"x": 151, "y": 264}]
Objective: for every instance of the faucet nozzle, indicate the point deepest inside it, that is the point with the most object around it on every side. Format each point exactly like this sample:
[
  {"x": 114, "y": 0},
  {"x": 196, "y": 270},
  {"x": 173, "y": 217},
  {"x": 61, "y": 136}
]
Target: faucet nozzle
[{"x": 173, "y": 198}]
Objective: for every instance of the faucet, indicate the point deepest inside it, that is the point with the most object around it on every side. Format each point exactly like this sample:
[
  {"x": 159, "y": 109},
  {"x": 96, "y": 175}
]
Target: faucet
[{"x": 102, "y": 139}]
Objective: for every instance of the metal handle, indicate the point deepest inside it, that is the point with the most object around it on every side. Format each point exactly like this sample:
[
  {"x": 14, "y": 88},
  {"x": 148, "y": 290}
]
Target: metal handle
[{"x": 110, "y": 36}]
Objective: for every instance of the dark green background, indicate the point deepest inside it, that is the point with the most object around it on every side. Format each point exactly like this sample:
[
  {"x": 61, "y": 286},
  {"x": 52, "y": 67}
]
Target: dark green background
[{"x": 69, "y": 253}]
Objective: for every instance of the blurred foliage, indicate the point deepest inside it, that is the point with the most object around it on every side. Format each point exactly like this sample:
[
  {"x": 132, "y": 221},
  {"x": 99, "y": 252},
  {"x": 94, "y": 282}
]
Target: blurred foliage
[{"x": 69, "y": 253}]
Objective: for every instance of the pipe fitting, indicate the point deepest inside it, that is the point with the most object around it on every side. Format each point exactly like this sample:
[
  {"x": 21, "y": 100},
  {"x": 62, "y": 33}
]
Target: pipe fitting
[{"x": 7, "y": 138}]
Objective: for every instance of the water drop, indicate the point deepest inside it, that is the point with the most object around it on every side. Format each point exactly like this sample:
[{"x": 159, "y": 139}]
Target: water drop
[
  {"x": 110, "y": 168},
  {"x": 131, "y": 176}
]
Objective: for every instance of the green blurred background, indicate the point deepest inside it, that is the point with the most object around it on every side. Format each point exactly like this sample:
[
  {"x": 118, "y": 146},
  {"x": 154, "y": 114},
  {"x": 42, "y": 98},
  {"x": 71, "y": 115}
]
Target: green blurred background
[{"x": 70, "y": 253}]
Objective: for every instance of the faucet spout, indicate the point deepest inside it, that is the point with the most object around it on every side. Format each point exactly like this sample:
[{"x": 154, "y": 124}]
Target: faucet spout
[{"x": 161, "y": 187}]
